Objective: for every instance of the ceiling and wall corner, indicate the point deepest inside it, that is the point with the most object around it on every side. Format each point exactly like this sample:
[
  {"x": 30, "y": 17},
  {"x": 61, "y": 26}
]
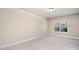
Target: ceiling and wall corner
[
  {"x": 26, "y": 10},
  {"x": 56, "y": 12}
]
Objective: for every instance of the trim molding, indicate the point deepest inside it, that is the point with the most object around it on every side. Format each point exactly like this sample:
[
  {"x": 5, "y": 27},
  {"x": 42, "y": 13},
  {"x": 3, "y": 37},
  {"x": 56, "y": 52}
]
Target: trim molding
[
  {"x": 63, "y": 36},
  {"x": 19, "y": 42}
]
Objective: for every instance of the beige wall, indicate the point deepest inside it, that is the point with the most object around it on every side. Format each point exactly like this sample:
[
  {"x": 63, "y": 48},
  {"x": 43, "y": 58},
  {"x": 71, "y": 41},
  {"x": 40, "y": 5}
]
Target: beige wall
[
  {"x": 16, "y": 25},
  {"x": 73, "y": 21}
]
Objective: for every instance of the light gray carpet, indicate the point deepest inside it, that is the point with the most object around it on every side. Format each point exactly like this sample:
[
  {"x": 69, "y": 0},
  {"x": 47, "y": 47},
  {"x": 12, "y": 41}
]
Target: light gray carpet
[{"x": 48, "y": 43}]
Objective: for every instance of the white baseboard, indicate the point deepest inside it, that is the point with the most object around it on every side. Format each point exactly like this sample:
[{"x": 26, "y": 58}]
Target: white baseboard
[
  {"x": 19, "y": 42},
  {"x": 63, "y": 36}
]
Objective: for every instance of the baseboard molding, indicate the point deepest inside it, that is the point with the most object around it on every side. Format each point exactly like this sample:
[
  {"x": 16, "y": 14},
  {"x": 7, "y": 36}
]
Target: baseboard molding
[
  {"x": 63, "y": 36},
  {"x": 19, "y": 42}
]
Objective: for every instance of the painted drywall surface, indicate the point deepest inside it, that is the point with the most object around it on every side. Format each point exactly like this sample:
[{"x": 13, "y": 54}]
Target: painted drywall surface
[
  {"x": 16, "y": 25},
  {"x": 73, "y": 21}
]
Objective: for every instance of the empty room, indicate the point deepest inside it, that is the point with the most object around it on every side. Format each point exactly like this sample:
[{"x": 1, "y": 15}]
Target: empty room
[{"x": 39, "y": 28}]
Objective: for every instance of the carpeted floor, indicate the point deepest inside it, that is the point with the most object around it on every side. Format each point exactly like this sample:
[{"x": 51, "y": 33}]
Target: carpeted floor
[{"x": 48, "y": 43}]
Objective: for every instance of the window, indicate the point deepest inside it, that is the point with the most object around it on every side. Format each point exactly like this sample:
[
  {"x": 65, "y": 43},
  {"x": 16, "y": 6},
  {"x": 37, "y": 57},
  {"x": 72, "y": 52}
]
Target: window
[{"x": 61, "y": 26}]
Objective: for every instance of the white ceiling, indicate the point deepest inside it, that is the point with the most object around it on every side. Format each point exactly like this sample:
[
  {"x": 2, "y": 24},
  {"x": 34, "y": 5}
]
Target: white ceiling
[{"x": 57, "y": 12}]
